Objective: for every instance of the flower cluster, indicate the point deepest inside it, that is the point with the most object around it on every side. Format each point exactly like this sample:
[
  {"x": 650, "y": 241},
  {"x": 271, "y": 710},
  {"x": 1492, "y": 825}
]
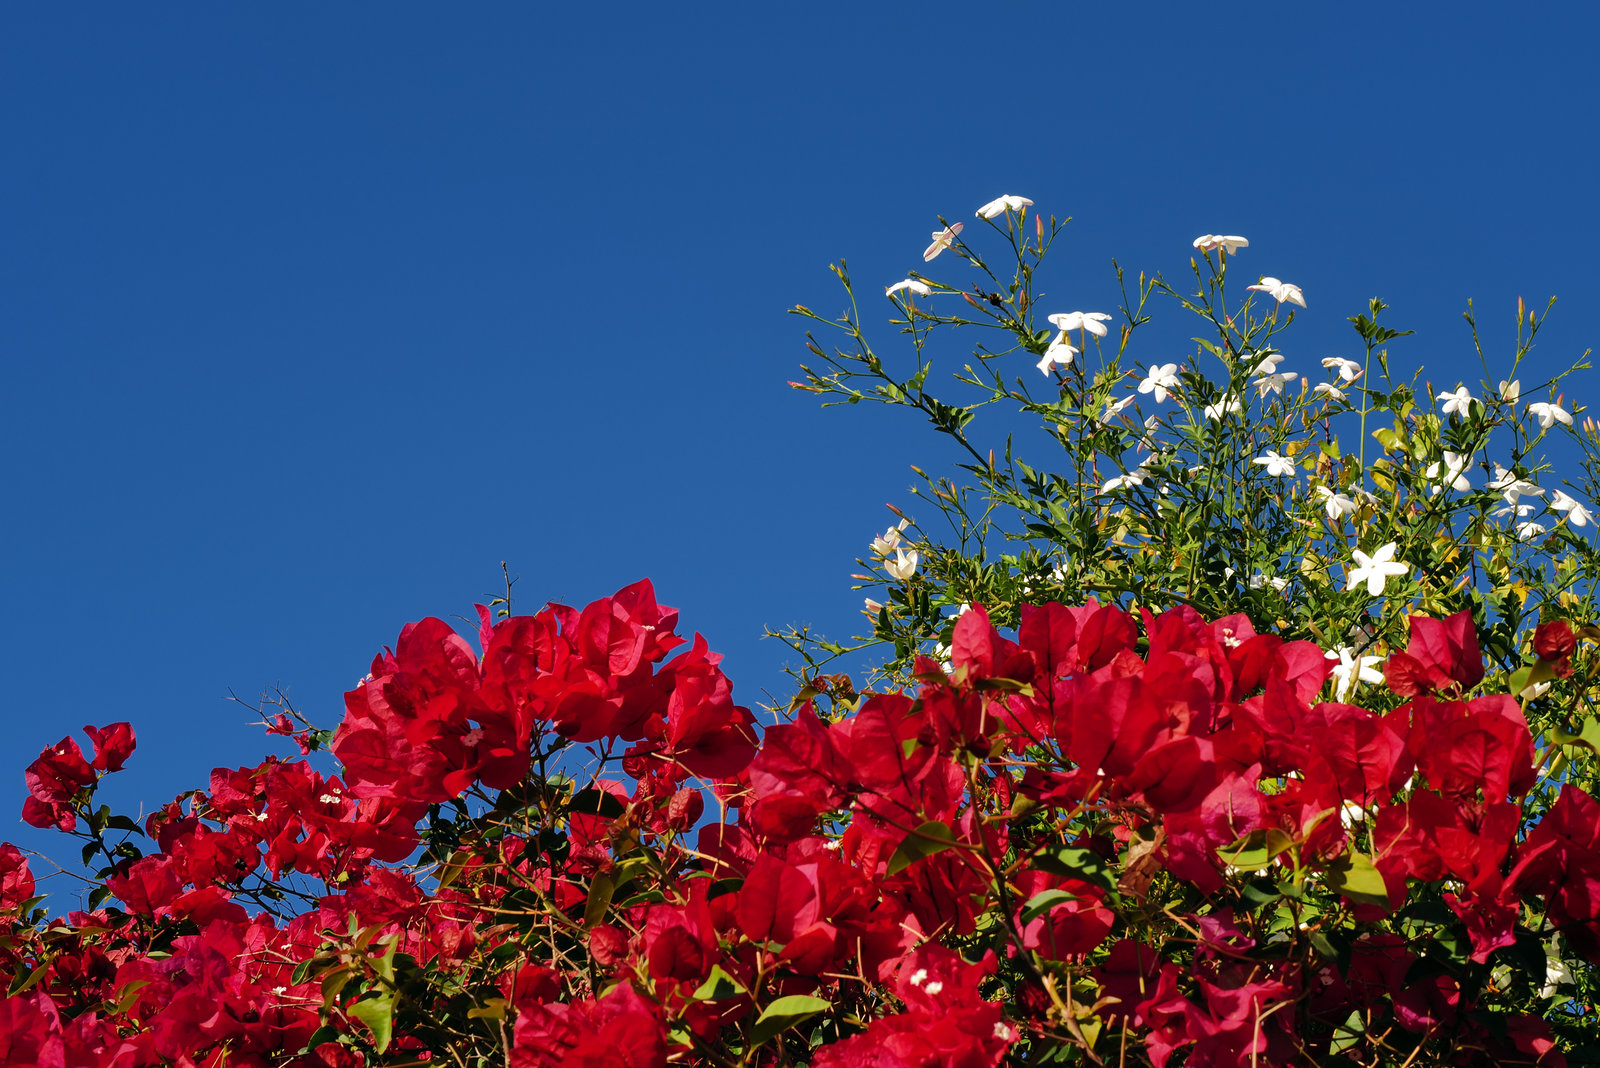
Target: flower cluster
[{"x": 1105, "y": 833}]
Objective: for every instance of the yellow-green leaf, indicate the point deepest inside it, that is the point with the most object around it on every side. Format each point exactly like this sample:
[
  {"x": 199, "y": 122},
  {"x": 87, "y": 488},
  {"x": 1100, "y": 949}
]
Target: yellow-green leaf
[
  {"x": 932, "y": 837},
  {"x": 786, "y": 1013}
]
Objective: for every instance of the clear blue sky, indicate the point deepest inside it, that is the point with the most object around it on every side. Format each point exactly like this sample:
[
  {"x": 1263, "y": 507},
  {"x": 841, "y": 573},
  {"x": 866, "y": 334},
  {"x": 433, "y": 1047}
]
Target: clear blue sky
[{"x": 313, "y": 315}]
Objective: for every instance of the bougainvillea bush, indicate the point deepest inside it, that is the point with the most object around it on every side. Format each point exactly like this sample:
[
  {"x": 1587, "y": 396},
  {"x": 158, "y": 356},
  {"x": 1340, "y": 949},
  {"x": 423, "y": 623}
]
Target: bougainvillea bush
[
  {"x": 1108, "y": 837},
  {"x": 1142, "y": 781}
]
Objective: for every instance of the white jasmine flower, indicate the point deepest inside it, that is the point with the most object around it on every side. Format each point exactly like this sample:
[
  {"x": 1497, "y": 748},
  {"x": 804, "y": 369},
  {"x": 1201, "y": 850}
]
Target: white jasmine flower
[
  {"x": 1521, "y": 511},
  {"x": 1094, "y": 322},
  {"x": 1457, "y": 403},
  {"x": 1556, "y": 972},
  {"x": 1549, "y": 414},
  {"x": 1280, "y": 291},
  {"x": 1375, "y": 570},
  {"x": 1059, "y": 352},
  {"x": 1577, "y": 514},
  {"x": 1337, "y": 504},
  {"x": 1135, "y": 477},
  {"x": 1449, "y": 472},
  {"x": 1230, "y": 243},
  {"x": 1529, "y": 530},
  {"x": 1513, "y": 488},
  {"x": 1112, "y": 409},
  {"x": 903, "y": 566},
  {"x": 1510, "y": 391},
  {"x": 1000, "y": 205},
  {"x": 943, "y": 239},
  {"x": 1161, "y": 381},
  {"x": 1351, "y": 670},
  {"x": 1258, "y": 581},
  {"x": 1276, "y": 465},
  {"x": 890, "y": 541},
  {"x": 1349, "y": 370},
  {"x": 1216, "y": 412},
  {"x": 872, "y": 608},
  {"x": 919, "y": 288},
  {"x": 1351, "y": 814},
  {"x": 1269, "y": 363},
  {"x": 1273, "y": 383},
  {"x": 1323, "y": 389}
]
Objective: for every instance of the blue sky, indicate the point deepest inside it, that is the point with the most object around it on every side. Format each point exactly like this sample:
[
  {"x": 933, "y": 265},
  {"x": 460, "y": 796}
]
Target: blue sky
[{"x": 313, "y": 316}]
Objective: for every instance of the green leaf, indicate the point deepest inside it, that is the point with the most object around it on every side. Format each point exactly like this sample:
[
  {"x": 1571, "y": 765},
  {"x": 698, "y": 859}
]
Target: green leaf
[
  {"x": 785, "y": 1013},
  {"x": 1077, "y": 863},
  {"x": 1587, "y": 735},
  {"x": 378, "y": 1014},
  {"x": 932, "y": 837},
  {"x": 719, "y": 986},
  {"x": 600, "y": 894},
  {"x": 1255, "y": 850},
  {"x": 1043, "y": 902},
  {"x": 332, "y": 983},
  {"x": 1357, "y": 879},
  {"x": 594, "y": 802},
  {"x": 493, "y": 1009}
]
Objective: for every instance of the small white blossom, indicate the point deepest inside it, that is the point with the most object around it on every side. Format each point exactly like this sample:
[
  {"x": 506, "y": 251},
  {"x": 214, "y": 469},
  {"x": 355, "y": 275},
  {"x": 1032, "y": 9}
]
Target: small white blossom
[
  {"x": 1549, "y": 414},
  {"x": 1510, "y": 391},
  {"x": 903, "y": 566},
  {"x": 1556, "y": 972},
  {"x": 1094, "y": 322},
  {"x": 1337, "y": 504},
  {"x": 1258, "y": 581},
  {"x": 1511, "y": 487},
  {"x": 1323, "y": 389},
  {"x": 1135, "y": 477},
  {"x": 329, "y": 799},
  {"x": 943, "y": 239},
  {"x": 934, "y": 988},
  {"x": 1351, "y": 671},
  {"x": 1273, "y": 383},
  {"x": 1215, "y": 412},
  {"x": 1002, "y": 204},
  {"x": 1351, "y": 814},
  {"x": 1001, "y": 1031},
  {"x": 1529, "y": 530},
  {"x": 919, "y": 288},
  {"x": 1276, "y": 465},
  {"x": 1113, "y": 408},
  {"x": 1059, "y": 352},
  {"x": 1161, "y": 381},
  {"x": 1349, "y": 370},
  {"x": 1375, "y": 570},
  {"x": 872, "y": 608},
  {"x": 1269, "y": 363},
  {"x": 1449, "y": 471},
  {"x": 890, "y": 541},
  {"x": 1230, "y": 243},
  {"x": 919, "y": 977},
  {"x": 1280, "y": 291},
  {"x": 1521, "y": 511},
  {"x": 1457, "y": 403},
  {"x": 1577, "y": 514}
]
